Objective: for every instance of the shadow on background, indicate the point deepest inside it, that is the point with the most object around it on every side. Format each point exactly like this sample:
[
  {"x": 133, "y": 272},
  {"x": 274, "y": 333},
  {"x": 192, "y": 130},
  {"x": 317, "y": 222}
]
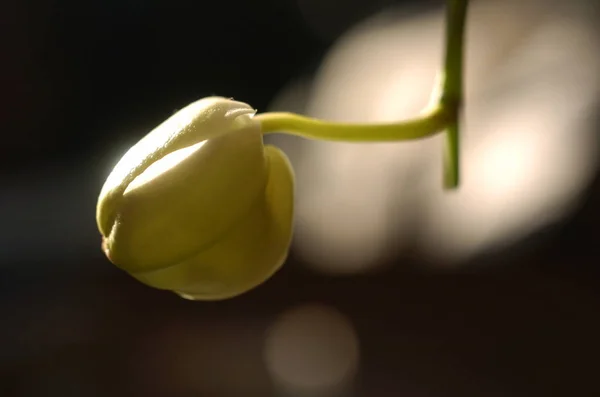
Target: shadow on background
[{"x": 401, "y": 315}]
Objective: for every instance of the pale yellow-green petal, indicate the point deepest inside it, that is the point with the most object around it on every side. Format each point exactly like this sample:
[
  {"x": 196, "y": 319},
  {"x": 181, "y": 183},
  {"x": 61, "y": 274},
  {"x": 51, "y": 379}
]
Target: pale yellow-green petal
[
  {"x": 248, "y": 254},
  {"x": 190, "y": 206},
  {"x": 199, "y": 121}
]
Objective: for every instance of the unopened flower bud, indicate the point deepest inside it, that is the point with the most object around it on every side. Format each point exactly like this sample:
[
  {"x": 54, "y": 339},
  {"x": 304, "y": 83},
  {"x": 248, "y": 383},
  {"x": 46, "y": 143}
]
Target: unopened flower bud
[{"x": 200, "y": 206}]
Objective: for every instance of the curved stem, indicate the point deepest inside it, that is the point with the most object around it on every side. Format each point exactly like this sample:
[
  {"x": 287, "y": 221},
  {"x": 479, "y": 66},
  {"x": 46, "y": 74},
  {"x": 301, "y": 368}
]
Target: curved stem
[
  {"x": 306, "y": 127},
  {"x": 444, "y": 116}
]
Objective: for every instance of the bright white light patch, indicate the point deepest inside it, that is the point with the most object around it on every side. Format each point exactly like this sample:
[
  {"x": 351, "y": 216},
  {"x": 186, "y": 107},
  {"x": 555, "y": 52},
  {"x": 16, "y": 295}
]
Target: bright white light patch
[{"x": 528, "y": 147}]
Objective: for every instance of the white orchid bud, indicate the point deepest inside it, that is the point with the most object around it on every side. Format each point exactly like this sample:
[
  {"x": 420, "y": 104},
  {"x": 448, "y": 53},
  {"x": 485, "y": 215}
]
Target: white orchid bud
[{"x": 200, "y": 206}]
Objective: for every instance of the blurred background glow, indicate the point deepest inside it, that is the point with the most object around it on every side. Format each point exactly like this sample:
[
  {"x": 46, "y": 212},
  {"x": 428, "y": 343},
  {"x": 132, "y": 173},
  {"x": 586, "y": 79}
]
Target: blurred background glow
[
  {"x": 312, "y": 350},
  {"x": 529, "y": 146}
]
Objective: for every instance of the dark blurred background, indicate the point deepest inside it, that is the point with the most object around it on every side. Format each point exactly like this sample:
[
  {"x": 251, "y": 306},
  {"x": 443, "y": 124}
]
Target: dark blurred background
[{"x": 83, "y": 80}]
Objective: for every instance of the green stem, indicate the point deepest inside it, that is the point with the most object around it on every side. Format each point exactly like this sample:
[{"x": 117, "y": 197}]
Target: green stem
[
  {"x": 443, "y": 117},
  {"x": 452, "y": 87},
  {"x": 306, "y": 127}
]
